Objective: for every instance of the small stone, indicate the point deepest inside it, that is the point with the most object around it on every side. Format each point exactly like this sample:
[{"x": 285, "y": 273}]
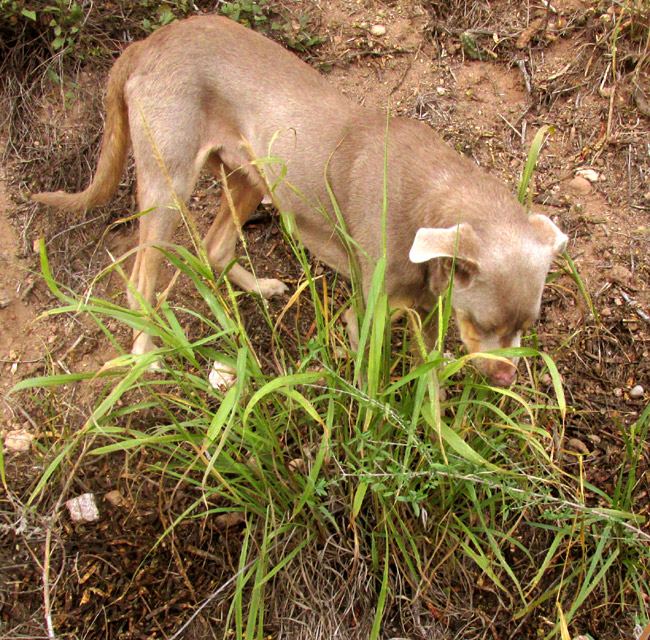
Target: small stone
[
  {"x": 620, "y": 274},
  {"x": 606, "y": 312},
  {"x": 231, "y": 519},
  {"x": 222, "y": 376},
  {"x": 579, "y": 186},
  {"x": 441, "y": 91},
  {"x": 83, "y": 508},
  {"x": 637, "y": 391},
  {"x": 18, "y": 441},
  {"x": 114, "y": 497},
  {"x": 589, "y": 174},
  {"x": 378, "y": 30},
  {"x": 297, "y": 465},
  {"x": 578, "y": 445}
]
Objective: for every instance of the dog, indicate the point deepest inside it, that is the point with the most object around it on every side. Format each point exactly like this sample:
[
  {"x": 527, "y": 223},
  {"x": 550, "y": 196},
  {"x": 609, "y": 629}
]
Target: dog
[{"x": 207, "y": 92}]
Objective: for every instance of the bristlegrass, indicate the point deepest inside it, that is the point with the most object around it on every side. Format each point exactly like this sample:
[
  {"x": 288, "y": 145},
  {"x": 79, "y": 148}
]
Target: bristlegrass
[{"x": 370, "y": 449}]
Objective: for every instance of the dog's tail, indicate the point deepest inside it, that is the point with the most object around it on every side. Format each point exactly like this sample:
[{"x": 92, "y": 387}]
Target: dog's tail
[{"x": 115, "y": 144}]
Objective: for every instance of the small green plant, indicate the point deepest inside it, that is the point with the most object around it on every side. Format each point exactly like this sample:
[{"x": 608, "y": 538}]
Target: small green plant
[
  {"x": 163, "y": 12},
  {"x": 64, "y": 23},
  {"x": 247, "y": 12},
  {"x": 304, "y": 449},
  {"x": 294, "y": 32},
  {"x": 296, "y": 35},
  {"x": 13, "y": 11},
  {"x": 525, "y": 196}
]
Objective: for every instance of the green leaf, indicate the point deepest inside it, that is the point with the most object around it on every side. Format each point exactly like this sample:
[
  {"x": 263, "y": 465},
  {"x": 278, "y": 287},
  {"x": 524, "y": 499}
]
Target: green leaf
[
  {"x": 456, "y": 442},
  {"x": 533, "y": 154}
]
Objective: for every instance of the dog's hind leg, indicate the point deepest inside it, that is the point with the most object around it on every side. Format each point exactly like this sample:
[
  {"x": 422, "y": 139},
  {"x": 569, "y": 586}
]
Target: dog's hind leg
[
  {"x": 238, "y": 200},
  {"x": 166, "y": 173},
  {"x": 156, "y": 229}
]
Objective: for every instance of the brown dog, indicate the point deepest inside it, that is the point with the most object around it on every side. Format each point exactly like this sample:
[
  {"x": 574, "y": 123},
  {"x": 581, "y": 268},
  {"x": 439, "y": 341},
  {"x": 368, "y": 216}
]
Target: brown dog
[{"x": 207, "y": 92}]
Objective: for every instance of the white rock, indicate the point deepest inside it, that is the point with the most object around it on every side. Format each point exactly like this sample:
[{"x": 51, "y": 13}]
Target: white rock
[
  {"x": 637, "y": 392},
  {"x": 83, "y": 508},
  {"x": 378, "y": 30},
  {"x": 18, "y": 441},
  {"x": 222, "y": 376},
  {"x": 589, "y": 174}
]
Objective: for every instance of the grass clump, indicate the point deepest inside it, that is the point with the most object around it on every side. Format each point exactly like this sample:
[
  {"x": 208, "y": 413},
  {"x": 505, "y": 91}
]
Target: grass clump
[{"x": 422, "y": 477}]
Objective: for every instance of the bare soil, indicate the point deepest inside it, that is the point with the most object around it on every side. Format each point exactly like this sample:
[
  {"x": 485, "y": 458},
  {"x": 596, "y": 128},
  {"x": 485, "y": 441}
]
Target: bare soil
[{"x": 111, "y": 583}]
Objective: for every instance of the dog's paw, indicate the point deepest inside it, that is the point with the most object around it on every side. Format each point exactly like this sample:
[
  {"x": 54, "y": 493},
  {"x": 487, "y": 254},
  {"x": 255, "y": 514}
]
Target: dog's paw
[
  {"x": 156, "y": 366},
  {"x": 142, "y": 345},
  {"x": 268, "y": 287}
]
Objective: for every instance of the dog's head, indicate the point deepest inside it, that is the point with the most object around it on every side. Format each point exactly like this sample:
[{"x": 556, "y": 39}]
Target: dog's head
[{"x": 497, "y": 281}]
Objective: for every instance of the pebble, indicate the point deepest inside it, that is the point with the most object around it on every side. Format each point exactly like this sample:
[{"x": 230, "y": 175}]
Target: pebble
[
  {"x": 222, "y": 376},
  {"x": 637, "y": 391},
  {"x": 620, "y": 274},
  {"x": 18, "y": 441},
  {"x": 83, "y": 508},
  {"x": 378, "y": 30},
  {"x": 579, "y": 445},
  {"x": 588, "y": 174},
  {"x": 114, "y": 497}
]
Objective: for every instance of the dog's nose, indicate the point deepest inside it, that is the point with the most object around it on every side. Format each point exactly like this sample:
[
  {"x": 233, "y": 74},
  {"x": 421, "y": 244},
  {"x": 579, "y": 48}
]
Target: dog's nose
[{"x": 504, "y": 377}]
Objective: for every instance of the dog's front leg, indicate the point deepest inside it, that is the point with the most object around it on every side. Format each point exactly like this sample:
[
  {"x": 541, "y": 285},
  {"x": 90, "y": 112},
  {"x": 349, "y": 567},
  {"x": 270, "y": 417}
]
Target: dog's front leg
[{"x": 352, "y": 323}]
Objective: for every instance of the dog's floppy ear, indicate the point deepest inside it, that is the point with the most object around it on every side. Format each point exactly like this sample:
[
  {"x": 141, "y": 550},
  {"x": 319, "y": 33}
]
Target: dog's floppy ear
[
  {"x": 548, "y": 233},
  {"x": 456, "y": 246}
]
